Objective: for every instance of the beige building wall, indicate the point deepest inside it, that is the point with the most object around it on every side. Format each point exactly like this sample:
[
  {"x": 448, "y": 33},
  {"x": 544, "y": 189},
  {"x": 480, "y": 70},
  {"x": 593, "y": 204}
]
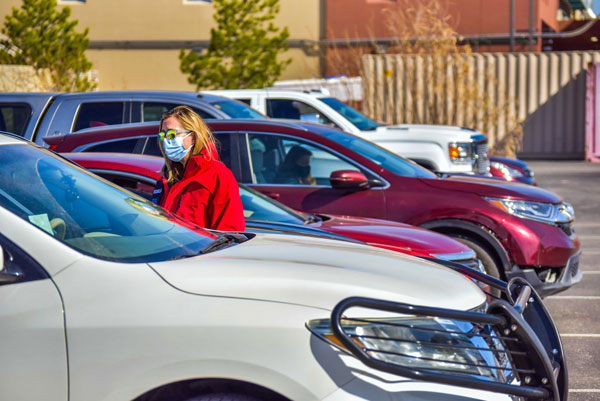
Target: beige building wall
[{"x": 115, "y": 25}]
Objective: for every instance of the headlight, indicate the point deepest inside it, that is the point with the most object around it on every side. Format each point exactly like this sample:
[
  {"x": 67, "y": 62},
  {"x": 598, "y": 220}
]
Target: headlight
[
  {"x": 460, "y": 152},
  {"x": 507, "y": 171},
  {"x": 538, "y": 211},
  {"x": 425, "y": 343}
]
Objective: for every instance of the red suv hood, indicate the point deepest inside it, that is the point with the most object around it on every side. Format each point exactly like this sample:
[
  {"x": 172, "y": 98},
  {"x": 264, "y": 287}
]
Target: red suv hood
[
  {"x": 391, "y": 235},
  {"x": 493, "y": 188}
]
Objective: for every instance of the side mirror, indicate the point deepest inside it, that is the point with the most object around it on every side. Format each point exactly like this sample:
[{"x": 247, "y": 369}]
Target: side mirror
[
  {"x": 347, "y": 179},
  {"x": 5, "y": 276}
]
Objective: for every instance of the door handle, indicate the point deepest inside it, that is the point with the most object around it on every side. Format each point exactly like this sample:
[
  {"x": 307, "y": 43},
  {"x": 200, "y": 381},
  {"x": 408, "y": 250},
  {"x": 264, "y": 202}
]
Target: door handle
[{"x": 272, "y": 195}]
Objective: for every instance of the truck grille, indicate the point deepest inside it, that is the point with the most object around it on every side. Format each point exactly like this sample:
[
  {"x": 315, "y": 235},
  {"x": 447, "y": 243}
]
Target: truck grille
[{"x": 482, "y": 160}]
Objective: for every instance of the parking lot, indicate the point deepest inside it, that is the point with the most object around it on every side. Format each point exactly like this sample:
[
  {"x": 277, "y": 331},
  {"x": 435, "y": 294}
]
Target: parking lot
[{"x": 577, "y": 311}]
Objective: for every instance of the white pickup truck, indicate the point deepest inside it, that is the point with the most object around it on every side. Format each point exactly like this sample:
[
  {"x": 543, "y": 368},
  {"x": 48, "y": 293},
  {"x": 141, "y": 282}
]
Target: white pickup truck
[{"x": 444, "y": 149}]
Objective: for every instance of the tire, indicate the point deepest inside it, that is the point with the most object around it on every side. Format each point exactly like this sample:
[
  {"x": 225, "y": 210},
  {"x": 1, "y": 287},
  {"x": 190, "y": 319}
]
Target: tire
[
  {"x": 489, "y": 264},
  {"x": 223, "y": 397}
]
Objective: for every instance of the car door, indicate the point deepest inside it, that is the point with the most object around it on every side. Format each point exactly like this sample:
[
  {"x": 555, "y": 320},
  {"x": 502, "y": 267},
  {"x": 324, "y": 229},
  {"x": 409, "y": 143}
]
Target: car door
[
  {"x": 266, "y": 164},
  {"x": 33, "y": 346}
]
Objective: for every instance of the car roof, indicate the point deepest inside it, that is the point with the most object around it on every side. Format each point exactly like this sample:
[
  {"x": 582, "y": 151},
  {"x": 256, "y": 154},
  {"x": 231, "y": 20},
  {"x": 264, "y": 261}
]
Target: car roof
[
  {"x": 10, "y": 138},
  {"x": 279, "y": 91}
]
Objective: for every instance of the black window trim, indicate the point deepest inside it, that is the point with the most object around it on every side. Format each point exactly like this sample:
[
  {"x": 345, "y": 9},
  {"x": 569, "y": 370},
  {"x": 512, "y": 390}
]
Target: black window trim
[
  {"x": 27, "y": 105},
  {"x": 32, "y": 270}
]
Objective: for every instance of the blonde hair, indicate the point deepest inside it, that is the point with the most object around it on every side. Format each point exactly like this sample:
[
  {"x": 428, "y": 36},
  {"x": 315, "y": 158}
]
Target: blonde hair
[{"x": 191, "y": 121}]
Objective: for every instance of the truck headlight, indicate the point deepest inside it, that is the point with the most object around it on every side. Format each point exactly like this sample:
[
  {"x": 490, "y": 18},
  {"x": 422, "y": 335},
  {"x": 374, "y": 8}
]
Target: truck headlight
[
  {"x": 425, "y": 343},
  {"x": 542, "y": 212},
  {"x": 460, "y": 152}
]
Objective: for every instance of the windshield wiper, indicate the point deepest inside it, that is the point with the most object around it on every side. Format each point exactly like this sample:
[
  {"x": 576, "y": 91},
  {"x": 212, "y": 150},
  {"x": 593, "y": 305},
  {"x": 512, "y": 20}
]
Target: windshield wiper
[{"x": 223, "y": 241}]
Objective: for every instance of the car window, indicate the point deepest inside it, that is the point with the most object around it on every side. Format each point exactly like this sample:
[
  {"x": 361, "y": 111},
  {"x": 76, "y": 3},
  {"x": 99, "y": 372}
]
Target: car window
[
  {"x": 378, "y": 155},
  {"x": 89, "y": 214},
  {"x": 153, "y": 111},
  {"x": 14, "y": 118},
  {"x": 99, "y": 114},
  {"x": 235, "y": 109},
  {"x": 296, "y": 110},
  {"x": 119, "y": 146},
  {"x": 281, "y": 160},
  {"x": 359, "y": 120},
  {"x": 259, "y": 207},
  {"x": 139, "y": 186}
]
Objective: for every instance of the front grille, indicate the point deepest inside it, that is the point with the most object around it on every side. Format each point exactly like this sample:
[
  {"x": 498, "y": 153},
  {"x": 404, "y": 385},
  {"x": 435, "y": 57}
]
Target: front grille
[
  {"x": 495, "y": 350},
  {"x": 472, "y": 263},
  {"x": 482, "y": 161},
  {"x": 575, "y": 268},
  {"x": 566, "y": 228}
]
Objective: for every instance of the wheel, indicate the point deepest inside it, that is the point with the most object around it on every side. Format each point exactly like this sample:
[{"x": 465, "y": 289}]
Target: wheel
[
  {"x": 489, "y": 264},
  {"x": 223, "y": 397}
]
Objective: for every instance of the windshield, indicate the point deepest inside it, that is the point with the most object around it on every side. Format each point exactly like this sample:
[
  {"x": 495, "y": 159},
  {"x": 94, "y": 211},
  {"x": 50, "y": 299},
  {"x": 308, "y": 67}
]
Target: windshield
[
  {"x": 235, "y": 109},
  {"x": 259, "y": 207},
  {"x": 90, "y": 214},
  {"x": 380, "y": 156},
  {"x": 359, "y": 120}
]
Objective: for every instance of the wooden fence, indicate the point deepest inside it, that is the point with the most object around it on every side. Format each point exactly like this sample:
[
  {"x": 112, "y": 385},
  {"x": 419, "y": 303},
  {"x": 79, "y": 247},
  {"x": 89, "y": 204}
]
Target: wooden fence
[{"x": 488, "y": 91}]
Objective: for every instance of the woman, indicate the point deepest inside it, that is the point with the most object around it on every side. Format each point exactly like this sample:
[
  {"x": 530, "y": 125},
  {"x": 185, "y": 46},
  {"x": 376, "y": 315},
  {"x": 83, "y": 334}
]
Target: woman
[
  {"x": 295, "y": 168},
  {"x": 196, "y": 185}
]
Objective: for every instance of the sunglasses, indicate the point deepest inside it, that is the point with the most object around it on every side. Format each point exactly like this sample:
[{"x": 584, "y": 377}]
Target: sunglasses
[{"x": 171, "y": 133}]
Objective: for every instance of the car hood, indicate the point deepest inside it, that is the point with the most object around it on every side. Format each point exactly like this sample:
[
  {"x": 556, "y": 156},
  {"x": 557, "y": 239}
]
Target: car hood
[
  {"x": 493, "y": 188},
  {"x": 318, "y": 273},
  {"x": 433, "y": 133},
  {"x": 391, "y": 235}
]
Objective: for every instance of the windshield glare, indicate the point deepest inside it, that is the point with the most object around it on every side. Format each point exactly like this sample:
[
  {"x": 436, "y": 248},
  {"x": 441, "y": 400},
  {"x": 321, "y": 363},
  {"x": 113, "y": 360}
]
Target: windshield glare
[
  {"x": 359, "y": 120},
  {"x": 90, "y": 214},
  {"x": 235, "y": 109}
]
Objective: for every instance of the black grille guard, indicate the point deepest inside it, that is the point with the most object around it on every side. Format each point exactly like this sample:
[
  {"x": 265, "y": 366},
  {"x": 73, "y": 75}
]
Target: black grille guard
[{"x": 520, "y": 320}]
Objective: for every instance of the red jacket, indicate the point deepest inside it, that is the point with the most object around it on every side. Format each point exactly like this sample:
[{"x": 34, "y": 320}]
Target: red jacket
[{"x": 207, "y": 195}]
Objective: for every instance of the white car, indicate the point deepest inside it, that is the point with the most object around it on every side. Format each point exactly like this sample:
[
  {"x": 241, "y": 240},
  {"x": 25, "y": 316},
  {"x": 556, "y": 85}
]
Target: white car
[
  {"x": 105, "y": 296},
  {"x": 441, "y": 148}
]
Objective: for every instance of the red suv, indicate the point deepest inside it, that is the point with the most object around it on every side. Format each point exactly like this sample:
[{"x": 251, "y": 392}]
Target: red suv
[
  {"x": 139, "y": 173},
  {"x": 516, "y": 230}
]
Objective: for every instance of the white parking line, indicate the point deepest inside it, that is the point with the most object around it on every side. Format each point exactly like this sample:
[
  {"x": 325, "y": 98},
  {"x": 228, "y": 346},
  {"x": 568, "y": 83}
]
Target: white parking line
[
  {"x": 580, "y": 335},
  {"x": 587, "y": 224},
  {"x": 589, "y": 237},
  {"x": 584, "y": 390},
  {"x": 588, "y": 297}
]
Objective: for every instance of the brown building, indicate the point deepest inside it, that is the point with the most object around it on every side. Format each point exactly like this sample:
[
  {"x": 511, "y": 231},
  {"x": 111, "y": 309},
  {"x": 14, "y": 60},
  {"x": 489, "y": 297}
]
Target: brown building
[
  {"x": 135, "y": 44},
  {"x": 484, "y": 24}
]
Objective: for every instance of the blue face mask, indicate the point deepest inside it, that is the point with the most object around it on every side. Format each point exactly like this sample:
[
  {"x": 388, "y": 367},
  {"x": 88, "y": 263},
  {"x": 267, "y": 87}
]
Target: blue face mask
[{"x": 174, "y": 148}]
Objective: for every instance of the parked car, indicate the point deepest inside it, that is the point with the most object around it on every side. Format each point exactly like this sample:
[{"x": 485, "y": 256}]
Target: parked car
[
  {"x": 106, "y": 296},
  {"x": 511, "y": 169},
  {"x": 37, "y": 115},
  {"x": 139, "y": 173},
  {"x": 440, "y": 148},
  {"x": 516, "y": 230}
]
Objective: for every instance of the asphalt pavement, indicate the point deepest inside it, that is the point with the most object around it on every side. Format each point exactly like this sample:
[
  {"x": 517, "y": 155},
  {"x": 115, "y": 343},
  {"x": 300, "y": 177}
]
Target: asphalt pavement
[{"x": 577, "y": 310}]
